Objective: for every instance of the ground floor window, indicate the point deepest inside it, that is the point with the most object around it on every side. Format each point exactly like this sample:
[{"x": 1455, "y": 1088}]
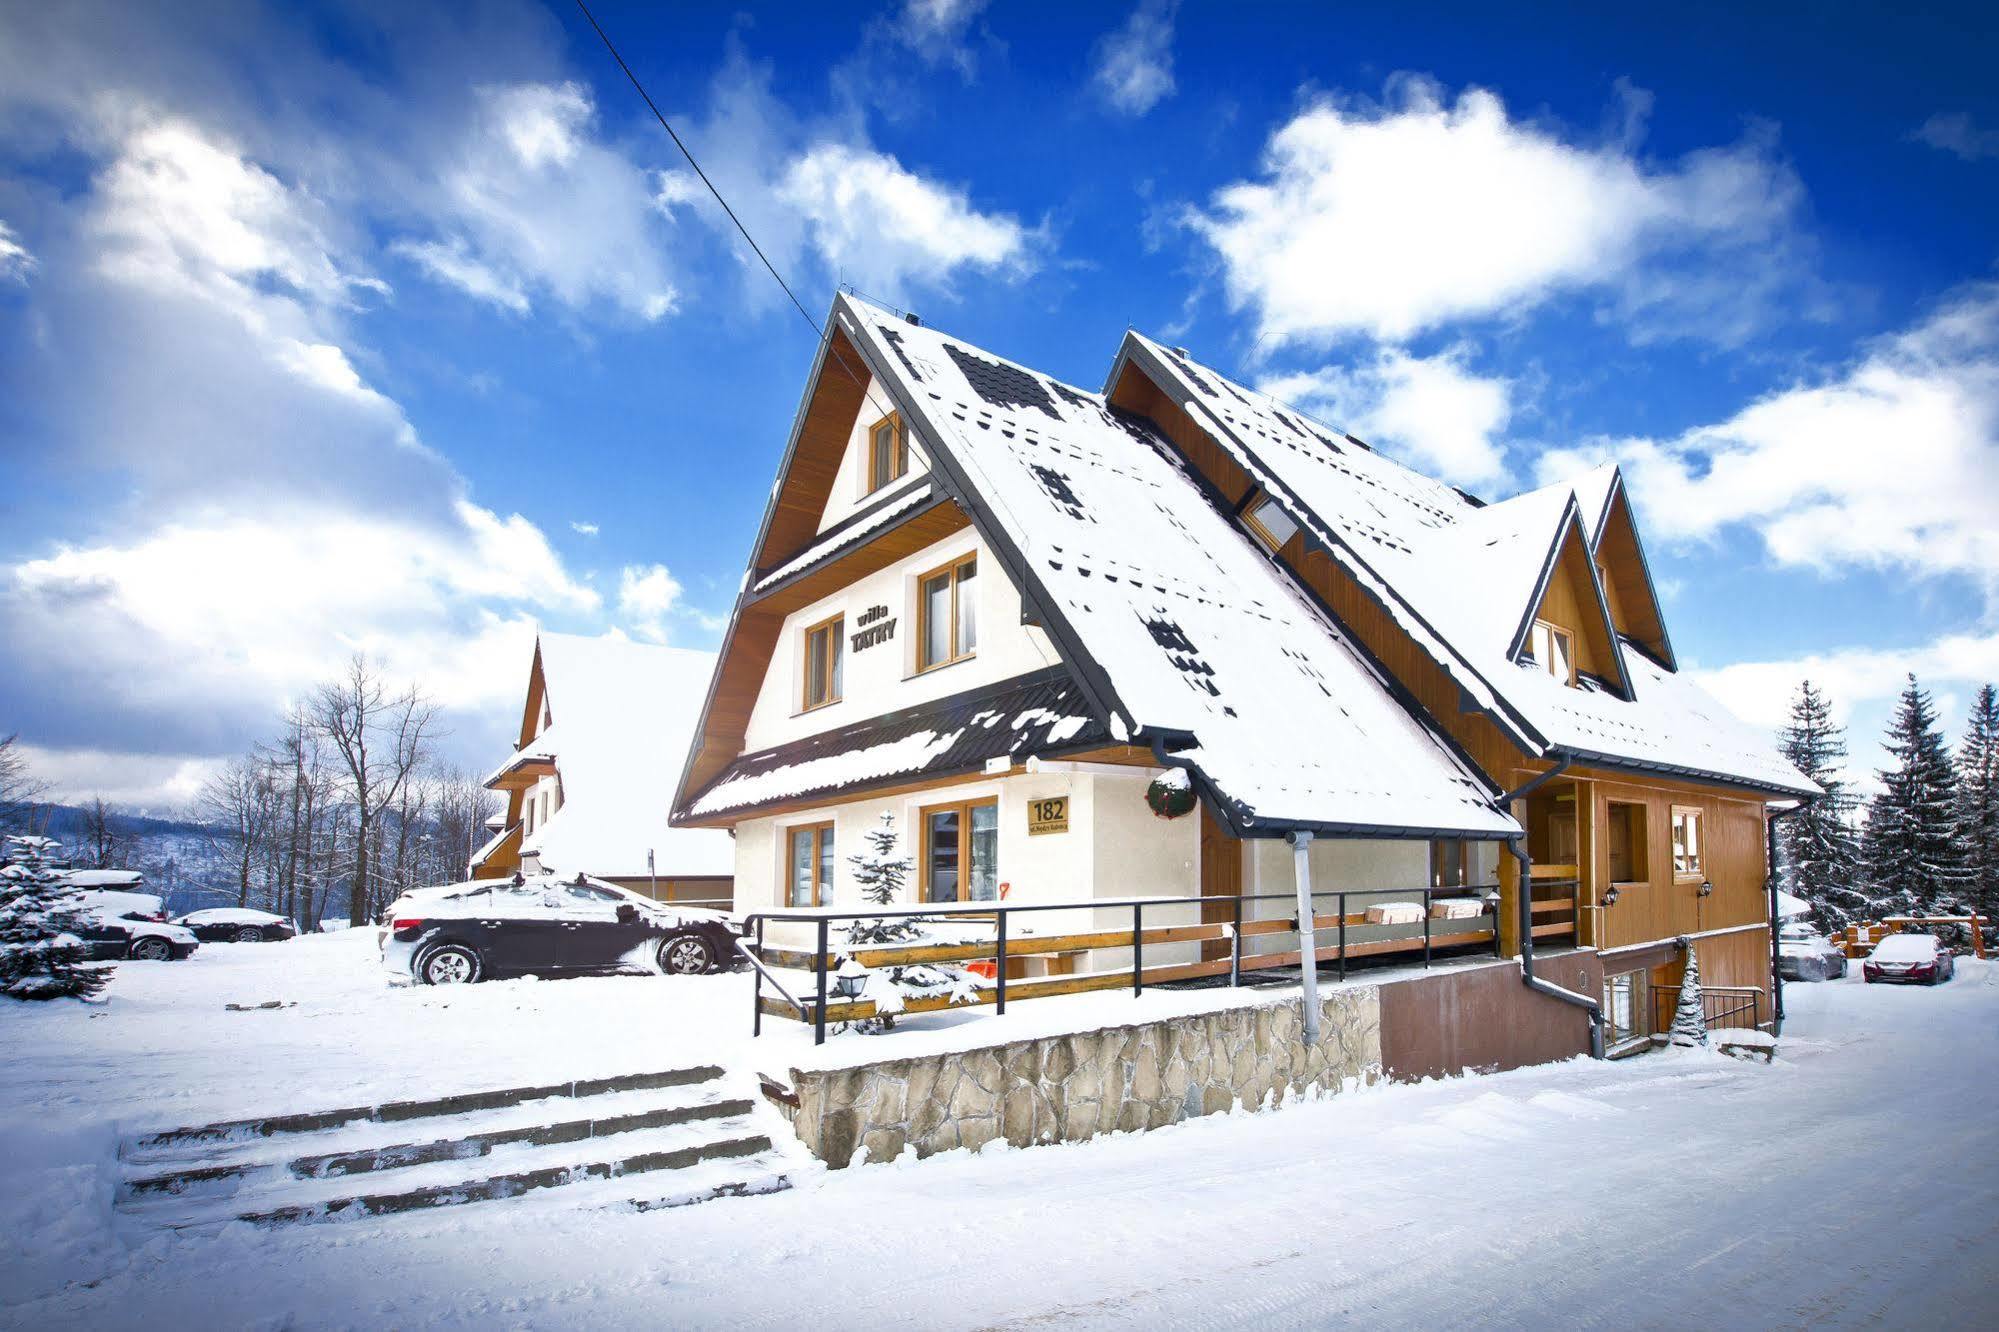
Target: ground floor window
[
  {"x": 961, "y": 852},
  {"x": 1450, "y": 864},
  {"x": 1624, "y": 1007},
  {"x": 809, "y": 865}
]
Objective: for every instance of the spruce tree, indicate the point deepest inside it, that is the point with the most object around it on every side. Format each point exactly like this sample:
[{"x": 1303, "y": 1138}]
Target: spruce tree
[
  {"x": 1690, "y": 1014},
  {"x": 881, "y": 873},
  {"x": 40, "y": 956},
  {"x": 1978, "y": 802},
  {"x": 1818, "y": 854},
  {"x": 1910, "y": 845}
]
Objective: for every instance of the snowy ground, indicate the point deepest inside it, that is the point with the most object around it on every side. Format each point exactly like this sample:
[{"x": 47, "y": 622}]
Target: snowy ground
[{"x": 1852, "y": 1182}]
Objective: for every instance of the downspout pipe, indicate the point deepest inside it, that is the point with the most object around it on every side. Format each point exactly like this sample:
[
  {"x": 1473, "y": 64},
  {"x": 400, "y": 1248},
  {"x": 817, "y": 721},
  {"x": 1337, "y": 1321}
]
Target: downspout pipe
[
  {"x": 1770, "y": 852},
  {"x": 1308, "y": 938},
  {"x": 1516, "y": 847}
]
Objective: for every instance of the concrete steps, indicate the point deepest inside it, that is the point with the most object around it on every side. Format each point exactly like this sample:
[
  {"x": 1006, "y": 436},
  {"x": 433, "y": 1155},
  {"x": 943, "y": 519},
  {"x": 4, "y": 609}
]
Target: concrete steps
[{"x": 645, "y": 1140}]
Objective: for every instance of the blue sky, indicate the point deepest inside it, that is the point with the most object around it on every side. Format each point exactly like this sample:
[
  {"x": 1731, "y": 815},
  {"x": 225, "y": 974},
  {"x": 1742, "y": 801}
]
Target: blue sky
[{"x": 399, "y": 329}]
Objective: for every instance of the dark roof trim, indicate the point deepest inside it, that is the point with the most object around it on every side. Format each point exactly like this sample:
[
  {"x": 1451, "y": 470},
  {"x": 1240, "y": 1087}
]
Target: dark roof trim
[
  {"x": 1673, "y": 770},
  {"x": 1671, "y": 660},
  {"x": 1519, "y": 729}
]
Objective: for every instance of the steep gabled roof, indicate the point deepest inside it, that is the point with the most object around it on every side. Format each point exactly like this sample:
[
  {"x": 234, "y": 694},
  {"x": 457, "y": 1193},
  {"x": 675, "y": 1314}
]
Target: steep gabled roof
[
  {"x": 1613, "y": 540},
  {"x": 1452, "y": 572},
  {"x": 621, "y": 716},
  {"x": 1178, "y": 629}
]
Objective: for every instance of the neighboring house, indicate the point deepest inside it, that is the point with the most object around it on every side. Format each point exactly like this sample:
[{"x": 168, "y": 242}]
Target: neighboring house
[
  {"x": 977, "y": 589},
  {"x": 604, "y": 732}
]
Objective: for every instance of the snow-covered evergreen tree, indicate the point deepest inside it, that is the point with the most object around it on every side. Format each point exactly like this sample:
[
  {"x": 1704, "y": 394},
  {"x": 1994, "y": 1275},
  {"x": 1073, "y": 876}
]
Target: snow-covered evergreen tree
[
  {"x": 1690, "y": 1015},
  {"x": 1914, "y": 861},
  {"x": 40, "y": 957},
  {"x": 881, "y": 873},
  {"x": 1817, "y": 851},
  {"x": 1978, "y": 801}
]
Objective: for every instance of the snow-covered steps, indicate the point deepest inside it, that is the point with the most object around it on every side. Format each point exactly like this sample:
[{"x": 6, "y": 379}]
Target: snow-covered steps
[{"x": 649, "y": 1140}]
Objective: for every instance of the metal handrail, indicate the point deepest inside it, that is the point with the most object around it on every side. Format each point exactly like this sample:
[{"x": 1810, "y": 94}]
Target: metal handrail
[
  {"x": 999, "y": 913},
  {"x": 764, "y": 973}
]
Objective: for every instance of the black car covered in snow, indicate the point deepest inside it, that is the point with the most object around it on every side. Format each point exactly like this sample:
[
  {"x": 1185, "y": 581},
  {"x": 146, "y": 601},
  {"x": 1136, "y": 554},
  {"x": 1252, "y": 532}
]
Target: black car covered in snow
[
  {"x": 237, "y": 925},
  {"x": 114, "y": 925},
  {"x": 546, "y": 925}
]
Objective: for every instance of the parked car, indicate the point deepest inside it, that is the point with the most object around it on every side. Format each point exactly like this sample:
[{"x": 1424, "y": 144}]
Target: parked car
[
  {"x": 236, "y": 925},
  {"x": 1917, "y": 958},
  {"x": 1803, "y": 954},
  {"x": 544, "y": 925},
  {"x": 130, "y": 925}
]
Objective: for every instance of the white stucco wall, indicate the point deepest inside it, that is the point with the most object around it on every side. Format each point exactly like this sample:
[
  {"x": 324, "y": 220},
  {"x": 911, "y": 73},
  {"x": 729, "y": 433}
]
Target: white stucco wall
[
  {"x": 882, "y": 678},
  {"x": 850, "y": 485}
]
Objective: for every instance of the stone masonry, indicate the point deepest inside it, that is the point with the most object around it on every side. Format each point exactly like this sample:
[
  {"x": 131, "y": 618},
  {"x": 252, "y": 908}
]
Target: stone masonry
[{"x": 1070, "y": 1088}]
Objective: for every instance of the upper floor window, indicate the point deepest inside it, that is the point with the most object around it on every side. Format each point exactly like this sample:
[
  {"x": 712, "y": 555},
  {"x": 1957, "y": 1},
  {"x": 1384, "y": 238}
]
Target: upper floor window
[
  {"x": 822, "y": 662},
  {"x": 888, "y": 451},
  {"x": 1554, "y": 650},
  {"x": 947, "y": 618},
  {"x": 1686, "y": 842},
  {"x": 1271, "y": 524}
]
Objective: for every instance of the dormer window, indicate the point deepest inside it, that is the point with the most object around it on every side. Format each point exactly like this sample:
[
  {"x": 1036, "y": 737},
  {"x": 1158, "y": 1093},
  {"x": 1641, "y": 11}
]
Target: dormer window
[
  {"x": 888, "y": 452},
  {"x": 1271, "y": 524},
  {"x": 1554, "y": 651}
]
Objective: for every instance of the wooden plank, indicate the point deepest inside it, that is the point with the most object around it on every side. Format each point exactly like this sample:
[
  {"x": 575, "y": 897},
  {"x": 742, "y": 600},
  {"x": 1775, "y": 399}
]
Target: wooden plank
[
  {"x": 1561, "y": 927},
  {"x": 1556, "y": 872},
  {"x": 1026, "y": 945}
]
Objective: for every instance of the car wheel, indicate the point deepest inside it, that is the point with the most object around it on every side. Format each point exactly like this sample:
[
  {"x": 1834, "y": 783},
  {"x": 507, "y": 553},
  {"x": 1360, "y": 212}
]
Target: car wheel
[
  {"x": 686, "y": 955},
  {"x": 249, "y": 934},
  {"x": 152, "y": 948},
  {"x": 451, "y": 964}
]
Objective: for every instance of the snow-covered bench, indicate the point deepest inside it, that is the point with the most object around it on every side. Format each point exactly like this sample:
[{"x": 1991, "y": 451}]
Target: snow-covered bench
[{"x": 1745, "y": 1044}]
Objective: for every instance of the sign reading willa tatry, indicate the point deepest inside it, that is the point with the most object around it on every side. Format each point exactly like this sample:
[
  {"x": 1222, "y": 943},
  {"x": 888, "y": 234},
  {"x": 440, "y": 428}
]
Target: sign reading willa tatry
[
  {"x": 875, "y": 625},
  {"x": 1048, "y": 815}
]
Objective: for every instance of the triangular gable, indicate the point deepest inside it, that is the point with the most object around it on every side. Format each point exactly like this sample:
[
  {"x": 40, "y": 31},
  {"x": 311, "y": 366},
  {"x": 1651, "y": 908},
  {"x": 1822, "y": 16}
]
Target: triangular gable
[
  {"x": 1624, "y": 570},
  {"x": 1570, "y": 596}
]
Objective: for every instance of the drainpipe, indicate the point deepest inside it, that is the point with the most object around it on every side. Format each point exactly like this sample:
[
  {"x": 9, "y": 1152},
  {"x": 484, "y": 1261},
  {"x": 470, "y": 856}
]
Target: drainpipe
[
  {"x": 1770, "y": 851},
  {"x": 1515, "y": 846},
  {"x": 1308, "y": 942}
]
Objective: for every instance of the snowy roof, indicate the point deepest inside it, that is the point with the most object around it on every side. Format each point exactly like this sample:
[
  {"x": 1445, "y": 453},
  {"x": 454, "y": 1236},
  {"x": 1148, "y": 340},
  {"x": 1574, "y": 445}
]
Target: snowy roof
[
  {"x": 621, "y": 717},
  {"x": 1789, "y": 907},
  {"x": 849, "y": 533},
  {"x": 104, "y": 878},
  {"x": 492, "y": 844},
  {"x": 1168, "y": 612},
  {"x": 1462, "y": 578},
  {"x": 1036, "y": 714}
]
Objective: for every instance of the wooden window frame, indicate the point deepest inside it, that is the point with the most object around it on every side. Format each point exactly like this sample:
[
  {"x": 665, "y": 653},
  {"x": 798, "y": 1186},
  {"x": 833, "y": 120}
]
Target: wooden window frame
[
  {"x": 835, "y": 627},
  {"x": 1437, "y": 850},
  {"x": 821, "y": 890},
  {"x": 1636, "y": 817},
  {"x": 1264, "y": 534},
  {"x": 963, "y": 809},
  {"x": 1698, "y": 872},
  {"x": 1568, "y": 636},
  {"x": 899, "y": 466},
  {"x": 951, "y": 567}
]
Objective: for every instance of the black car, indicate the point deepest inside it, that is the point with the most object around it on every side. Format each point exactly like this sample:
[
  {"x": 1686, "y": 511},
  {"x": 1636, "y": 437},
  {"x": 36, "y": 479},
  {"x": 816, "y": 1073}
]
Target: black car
[
  {"x": 543, "y": 925},
  {"x": 117, "y": 925},
  {"x": 237, "y": 925}
]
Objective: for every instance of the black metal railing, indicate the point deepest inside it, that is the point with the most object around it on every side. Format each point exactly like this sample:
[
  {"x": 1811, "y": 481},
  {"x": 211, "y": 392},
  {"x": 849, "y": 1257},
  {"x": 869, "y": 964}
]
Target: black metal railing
[
  {"x": 1723, "y": 1007},
  {"x": 826, "y": 951}
]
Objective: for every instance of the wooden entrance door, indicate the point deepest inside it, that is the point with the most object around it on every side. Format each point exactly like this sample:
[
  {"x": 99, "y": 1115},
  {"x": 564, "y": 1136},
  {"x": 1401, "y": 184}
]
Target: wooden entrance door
[{"x": 1221, "y": 878}]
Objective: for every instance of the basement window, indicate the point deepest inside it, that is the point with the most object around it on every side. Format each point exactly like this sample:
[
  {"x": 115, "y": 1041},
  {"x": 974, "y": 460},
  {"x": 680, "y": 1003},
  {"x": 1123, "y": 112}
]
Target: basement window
[
  {"x": 888, "y": 452},
  {"x": 1554, "y": 651},
  {"x": 1273, "y": 526}
]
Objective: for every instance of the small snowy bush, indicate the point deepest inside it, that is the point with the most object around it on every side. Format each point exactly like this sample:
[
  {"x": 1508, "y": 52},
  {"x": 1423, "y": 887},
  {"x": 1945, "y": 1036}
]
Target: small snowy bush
[
  {"x": 1690, "y": 1017},
  {"x": 40, "y": 956},
  {"x": 881, "y": 873}
]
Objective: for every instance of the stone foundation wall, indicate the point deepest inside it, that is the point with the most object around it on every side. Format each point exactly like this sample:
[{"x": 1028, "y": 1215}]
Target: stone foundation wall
[{"x": 1070, "y": 1088}]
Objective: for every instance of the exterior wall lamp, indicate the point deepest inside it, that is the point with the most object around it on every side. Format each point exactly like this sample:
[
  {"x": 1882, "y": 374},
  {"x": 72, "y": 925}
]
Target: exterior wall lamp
[
  {"x": 1609, "y": 898},
  {"x": 1706, "y": 887}
]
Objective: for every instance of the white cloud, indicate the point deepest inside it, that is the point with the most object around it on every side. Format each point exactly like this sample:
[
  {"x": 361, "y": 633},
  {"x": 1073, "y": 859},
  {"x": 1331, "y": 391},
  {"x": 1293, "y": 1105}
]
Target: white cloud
[
  {"x": 937, "y": 31},
  {"x": 534, "y": 202},
  {"x": 1892, "y": 463},
  {"x": 161, "y": 784},
  {"x": 1955, "y": 132},
  {"x": 1853, "y": 677},
  {"x": 584, "y": 529},
  {"x": 867, "y": 214},
  {"x": 15, "y": 261},
  {"x": 1134, "y": 63},
  {"x": 1389, "y": 219},
  {"x": 1444, "y": 419},
  {"x": 647, "y": 594}
]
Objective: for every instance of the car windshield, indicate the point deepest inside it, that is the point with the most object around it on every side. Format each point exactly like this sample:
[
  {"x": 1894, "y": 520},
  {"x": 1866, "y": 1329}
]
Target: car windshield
[{"x": 1906, "y": 948}]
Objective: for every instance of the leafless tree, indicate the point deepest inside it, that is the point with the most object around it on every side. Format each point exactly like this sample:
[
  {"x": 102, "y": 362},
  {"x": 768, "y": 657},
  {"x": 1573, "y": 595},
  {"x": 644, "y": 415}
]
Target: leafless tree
[
  {"x": 237, "y": 800},
  {"x": 20, "y": 793},
  {"x": 104, "y": 846},
  {"x": 381, "y": 740}
]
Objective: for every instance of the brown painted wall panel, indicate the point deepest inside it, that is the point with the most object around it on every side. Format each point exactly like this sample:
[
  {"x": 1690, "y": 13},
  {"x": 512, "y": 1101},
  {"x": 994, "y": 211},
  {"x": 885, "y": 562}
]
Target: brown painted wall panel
[{"x": 1485, "y": 1019}]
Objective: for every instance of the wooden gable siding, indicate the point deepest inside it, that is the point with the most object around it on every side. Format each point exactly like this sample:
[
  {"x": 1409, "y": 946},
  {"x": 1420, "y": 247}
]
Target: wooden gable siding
[
  {"x": 1570, "y": 603},
  {"x": 1634, "y": 608},
  {"x": 825, "y": 428},
  {"x": 1662, "y": 907},
  {"x": 897, "y": 541}
]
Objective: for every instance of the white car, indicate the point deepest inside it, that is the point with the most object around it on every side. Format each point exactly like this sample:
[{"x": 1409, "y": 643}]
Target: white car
[
  {"x": 1803, "y": 954},
  {"x": 546, "y": 925}
]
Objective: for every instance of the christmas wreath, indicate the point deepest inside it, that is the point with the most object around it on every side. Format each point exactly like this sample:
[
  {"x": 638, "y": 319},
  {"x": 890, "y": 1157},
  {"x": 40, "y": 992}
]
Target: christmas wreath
[{"x": 1171, "y": 796}]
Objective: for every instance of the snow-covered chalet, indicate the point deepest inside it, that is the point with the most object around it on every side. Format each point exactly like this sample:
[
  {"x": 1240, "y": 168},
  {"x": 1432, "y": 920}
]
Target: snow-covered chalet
[{"x": 1002, "y": 609}]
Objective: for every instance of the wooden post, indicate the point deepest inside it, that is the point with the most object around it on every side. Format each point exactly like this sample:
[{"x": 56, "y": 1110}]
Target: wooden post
[{"x": 1510, "y": 889}]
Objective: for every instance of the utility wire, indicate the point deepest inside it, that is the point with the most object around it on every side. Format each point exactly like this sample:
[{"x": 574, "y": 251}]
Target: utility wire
[{"x": 820, "y": 332}]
